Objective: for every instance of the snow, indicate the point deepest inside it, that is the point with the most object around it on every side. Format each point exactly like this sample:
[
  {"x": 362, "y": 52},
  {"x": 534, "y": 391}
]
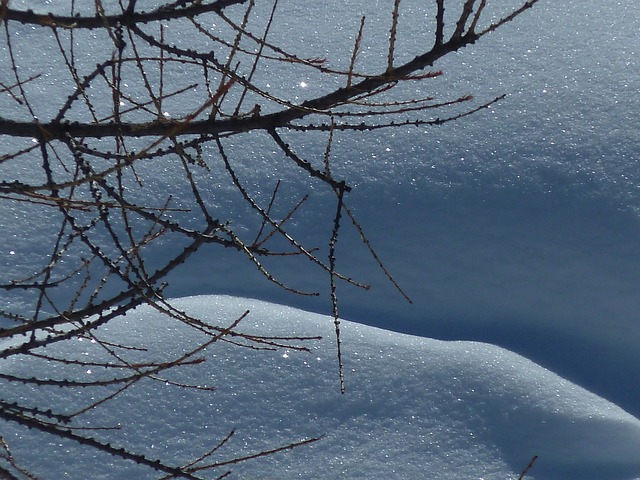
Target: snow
[
  {"x": 414, "y": 407},
  {"x": 517, "y": 227}
]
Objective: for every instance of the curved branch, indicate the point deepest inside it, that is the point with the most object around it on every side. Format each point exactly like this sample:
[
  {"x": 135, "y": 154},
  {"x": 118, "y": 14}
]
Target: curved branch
[
  {"x": 59, "y": 130},
  {"x": 29, "y": 17}
]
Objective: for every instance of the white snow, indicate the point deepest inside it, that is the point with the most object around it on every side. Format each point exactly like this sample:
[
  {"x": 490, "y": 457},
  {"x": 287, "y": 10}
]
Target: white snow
[
  {"x": 414, "y": 407},
  {"x": 518, "y": 227}
]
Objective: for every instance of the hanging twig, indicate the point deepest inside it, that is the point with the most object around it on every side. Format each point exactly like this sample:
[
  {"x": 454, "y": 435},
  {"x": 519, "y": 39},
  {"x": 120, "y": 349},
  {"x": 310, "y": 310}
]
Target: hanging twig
[{"x": 91, "y": 161}]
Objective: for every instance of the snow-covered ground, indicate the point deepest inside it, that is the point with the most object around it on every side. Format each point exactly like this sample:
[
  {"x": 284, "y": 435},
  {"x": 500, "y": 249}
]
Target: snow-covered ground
[
  {"x": 517, "y": 227},
  {"x": 414, "y": 407}
]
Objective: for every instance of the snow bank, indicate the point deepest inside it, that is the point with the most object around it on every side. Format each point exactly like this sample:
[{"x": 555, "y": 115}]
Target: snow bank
[{"x": 414, "y": 407}]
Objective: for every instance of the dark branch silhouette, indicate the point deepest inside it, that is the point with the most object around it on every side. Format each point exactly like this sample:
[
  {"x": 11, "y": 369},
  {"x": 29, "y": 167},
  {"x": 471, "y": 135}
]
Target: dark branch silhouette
[{"x": 85, "y": 159}]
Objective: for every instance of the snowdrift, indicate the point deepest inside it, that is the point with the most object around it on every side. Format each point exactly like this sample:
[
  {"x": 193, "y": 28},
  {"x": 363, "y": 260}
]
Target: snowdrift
[{"x": 414, "y": 407}]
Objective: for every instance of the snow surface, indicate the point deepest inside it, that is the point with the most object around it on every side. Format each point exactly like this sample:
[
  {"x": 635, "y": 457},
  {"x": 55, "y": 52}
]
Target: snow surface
[
  {"x": 517, "y": 226},
  {"x": 414, "y": 407}
]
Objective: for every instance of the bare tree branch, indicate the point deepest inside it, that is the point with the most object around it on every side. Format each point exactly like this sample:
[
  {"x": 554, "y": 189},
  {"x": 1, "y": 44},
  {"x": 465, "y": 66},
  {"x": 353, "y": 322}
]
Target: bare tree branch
[{"x": 90, "y": 163}]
